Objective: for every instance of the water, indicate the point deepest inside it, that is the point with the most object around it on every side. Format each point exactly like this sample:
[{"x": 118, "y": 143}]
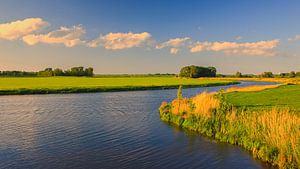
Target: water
[{"x": 106, "y": 130}]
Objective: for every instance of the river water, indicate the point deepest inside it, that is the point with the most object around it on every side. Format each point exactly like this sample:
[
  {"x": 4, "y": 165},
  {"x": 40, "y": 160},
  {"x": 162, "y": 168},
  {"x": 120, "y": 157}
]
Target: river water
[{"x": 107, "y": 130}]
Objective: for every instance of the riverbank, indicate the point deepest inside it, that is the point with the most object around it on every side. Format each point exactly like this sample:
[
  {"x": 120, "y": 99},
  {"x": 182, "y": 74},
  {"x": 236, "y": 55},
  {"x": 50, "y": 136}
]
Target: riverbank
[
  {"x": 295, "y": 80},
  {"x": 51, "y": 85},
  {"x": 270, "y": 131},
  {"x": 281, "y": 97}
]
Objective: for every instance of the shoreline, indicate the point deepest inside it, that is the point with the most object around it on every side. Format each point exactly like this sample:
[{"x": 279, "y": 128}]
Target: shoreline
[
  {"x": 28, "y": 91},
  {"x": 212, "y": 116}
]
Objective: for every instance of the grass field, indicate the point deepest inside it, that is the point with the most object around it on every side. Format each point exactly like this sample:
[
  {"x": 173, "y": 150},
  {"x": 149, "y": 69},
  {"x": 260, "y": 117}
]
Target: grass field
[
  {"x": 43, "y": 85},
  {"x": 282, "y": 96}
]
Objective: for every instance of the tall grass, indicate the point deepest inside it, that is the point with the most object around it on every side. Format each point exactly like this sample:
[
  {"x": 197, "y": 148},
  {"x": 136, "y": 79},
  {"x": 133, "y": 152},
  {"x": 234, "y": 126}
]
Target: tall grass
[
  {"x": 281, "y": 80},
  {"x": 271, "y": 135},
  {"x": 252, "y": 88}
]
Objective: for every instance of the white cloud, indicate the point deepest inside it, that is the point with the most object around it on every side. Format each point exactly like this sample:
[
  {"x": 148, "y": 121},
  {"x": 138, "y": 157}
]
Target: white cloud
[
  {"x": 174, "y": 44},
  {"x": 116, "y": 41},
  {"x": 238, "y": 38},
  {"x": 297, "y": 37},
  {"x": 20, "y": 28},
  {"x": 174, "y": 50},
  {"x": 70, "y": 37},
  {"x": 260, "y": 48}
]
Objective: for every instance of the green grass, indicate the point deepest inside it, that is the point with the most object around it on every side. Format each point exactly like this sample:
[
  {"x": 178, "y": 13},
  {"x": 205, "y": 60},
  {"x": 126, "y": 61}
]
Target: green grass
[
  {"x": 283, "y": 96},
  {"x": 44, "y": 85}
]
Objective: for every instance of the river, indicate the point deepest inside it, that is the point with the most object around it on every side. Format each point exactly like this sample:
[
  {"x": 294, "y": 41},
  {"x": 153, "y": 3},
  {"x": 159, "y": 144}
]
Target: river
[{"x": 107, "y": 130}]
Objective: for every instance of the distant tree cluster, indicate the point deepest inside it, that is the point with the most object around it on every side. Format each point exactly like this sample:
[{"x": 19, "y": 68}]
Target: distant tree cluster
[
  {"x": 17, "y": 74},
  {"x": 267, "y": 74},
  {"x": 290, "y": 75},
  {"x": 238, "y": 74},
  {"x": 197, "y": 71},
  {"x": 74, "y": 71}
]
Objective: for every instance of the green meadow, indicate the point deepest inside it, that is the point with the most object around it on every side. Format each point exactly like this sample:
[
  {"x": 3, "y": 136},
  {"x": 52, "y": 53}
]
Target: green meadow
[
  {"x": 44, "y": 85},
  {"x": 281, "y": 97}
]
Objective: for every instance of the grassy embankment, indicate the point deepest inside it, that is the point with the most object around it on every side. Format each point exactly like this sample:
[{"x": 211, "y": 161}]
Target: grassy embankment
[
  {"x": 281, "y": 80},
  {"x": 265, "y": 122},
  {"x": 45, "y": 85}
]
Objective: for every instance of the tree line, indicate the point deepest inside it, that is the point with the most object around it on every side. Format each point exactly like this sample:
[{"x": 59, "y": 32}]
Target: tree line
[
  {"x": 187, "y": 71},
  {"x": 291, "y": 74},
  {"x": 200, "y": 71},
  {"x": 74, "y": 71},
  {"x": 17, "y": 74}
]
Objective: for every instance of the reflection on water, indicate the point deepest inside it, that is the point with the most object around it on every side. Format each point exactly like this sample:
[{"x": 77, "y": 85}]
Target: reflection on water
[{"x": 105, "y": 130}]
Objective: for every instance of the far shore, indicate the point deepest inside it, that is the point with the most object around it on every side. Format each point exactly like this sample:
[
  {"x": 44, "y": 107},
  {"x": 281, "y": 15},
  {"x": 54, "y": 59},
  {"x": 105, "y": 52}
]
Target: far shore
[{"x": 62, "y": 85}]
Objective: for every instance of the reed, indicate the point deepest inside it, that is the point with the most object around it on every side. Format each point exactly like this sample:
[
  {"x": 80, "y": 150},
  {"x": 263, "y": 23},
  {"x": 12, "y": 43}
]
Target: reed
[
  {"x": 281, "y": 80},
  {"x": 252, "y": 88}
]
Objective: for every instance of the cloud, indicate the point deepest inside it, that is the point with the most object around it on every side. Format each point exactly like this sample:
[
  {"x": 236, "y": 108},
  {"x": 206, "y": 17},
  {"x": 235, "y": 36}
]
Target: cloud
[
  {"x": 174, "y": 50},
  {"x": 174, "y": 44},
  {"x": 68, "y": 36},
  {"x": 260, "y": 48},
  {"x": 117, "y": 41},
  {"x": 238, "y": 38},
  {"x": 20, "y": 28},
  {"x": 297, "y": 37}
]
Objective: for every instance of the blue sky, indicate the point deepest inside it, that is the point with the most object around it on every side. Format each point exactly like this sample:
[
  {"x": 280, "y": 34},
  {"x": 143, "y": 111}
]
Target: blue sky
[{"x": 247, "y": 36}]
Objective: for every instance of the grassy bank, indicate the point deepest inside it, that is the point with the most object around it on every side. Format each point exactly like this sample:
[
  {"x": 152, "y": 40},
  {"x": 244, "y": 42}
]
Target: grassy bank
[
  {"x": 45, "y": 85},
  {"x": 282, "y": 96},
  {"x": 272, "y": 135},
  {"x": 295, "y": 80}
]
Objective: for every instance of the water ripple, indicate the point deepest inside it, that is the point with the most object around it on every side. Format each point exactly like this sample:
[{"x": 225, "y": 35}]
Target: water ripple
[{"x": 105, "y": 130}]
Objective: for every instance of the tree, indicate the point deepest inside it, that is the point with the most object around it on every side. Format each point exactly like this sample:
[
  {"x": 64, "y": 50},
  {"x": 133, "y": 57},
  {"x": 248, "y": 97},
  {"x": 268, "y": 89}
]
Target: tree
[
  {"x": 89, "y": 71},
  {"x": 297, "y": 74},
  {"x": 197, "y": 71},
  {"x": 267, "y": 74},
  {"x": 283, "y": 74},
  {"x": 47, "y": 72},
  {"x": 185, "y": 72},
  {"x": 212, "y": 72},
  {"x": 58, "y": 72},
  {"x": 292, "y": 74},
  {"x": 238, "y": 74},
  {"x": 77, "y": 71}
]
